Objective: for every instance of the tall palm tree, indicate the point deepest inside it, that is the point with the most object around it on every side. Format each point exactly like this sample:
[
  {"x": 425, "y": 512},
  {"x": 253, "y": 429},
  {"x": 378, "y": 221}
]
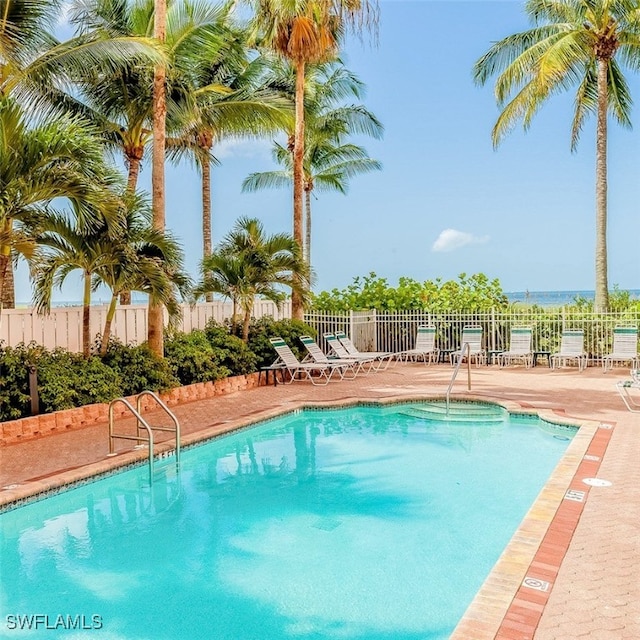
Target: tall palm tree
[
  {"x": 230, "y": 98},
  {"x": 155, "y": 317},
  {"x": 304, "y": 32},
  {"x": 327, "y": 167},
  {"x": 249, "y": 263},
  {"x": 328, "y": 161},
  {"x": 39, "y": 162},
  {"x": 123, "y": 101},
  {"x": 36, "y": 68},
  {"x": 573, "y": 43}
]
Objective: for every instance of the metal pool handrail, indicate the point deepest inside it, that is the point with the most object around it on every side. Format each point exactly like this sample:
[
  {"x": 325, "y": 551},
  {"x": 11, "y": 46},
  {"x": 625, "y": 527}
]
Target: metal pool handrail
[
  {"x": 466, "y": 346},
  {"x": 163, "y": 406},
  {"x": 142, "y": 423}
]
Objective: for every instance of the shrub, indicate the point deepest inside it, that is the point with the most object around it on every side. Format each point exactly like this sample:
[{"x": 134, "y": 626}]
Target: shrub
[
  {"x": 67, "y": 380},
  {"x": 289, "y": 330},
  {"x": 14, "y": 382},
  {"x": 234, "y": 354},
  {"x": 138, "y": 368},
  {"x": 192, "y": 358}
]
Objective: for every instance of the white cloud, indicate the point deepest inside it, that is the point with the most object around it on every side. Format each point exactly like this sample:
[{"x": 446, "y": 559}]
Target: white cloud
[{"x": 451, "y": 239}]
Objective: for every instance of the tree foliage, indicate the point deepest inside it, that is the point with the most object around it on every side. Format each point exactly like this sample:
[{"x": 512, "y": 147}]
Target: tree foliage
[{"x": 475, "y": 292}]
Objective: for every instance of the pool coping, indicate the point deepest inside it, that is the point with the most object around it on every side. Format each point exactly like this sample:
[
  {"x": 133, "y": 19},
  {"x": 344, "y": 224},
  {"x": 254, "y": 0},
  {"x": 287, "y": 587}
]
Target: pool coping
[{"x": 510, "y": 602}]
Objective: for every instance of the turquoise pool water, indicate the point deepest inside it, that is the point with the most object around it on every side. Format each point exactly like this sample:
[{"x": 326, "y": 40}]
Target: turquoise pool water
[{"x": 367, "y": 523}]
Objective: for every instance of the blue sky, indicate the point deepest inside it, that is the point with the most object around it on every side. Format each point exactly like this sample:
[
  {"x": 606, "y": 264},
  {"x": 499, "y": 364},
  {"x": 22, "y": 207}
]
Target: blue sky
[{"x": 445, "y": 202}]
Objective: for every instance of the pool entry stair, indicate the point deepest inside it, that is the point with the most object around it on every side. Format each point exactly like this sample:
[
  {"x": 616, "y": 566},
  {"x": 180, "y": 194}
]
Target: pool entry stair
[
  {"x": 459, "y": 412},
  {"x": 143, "y": 425}
]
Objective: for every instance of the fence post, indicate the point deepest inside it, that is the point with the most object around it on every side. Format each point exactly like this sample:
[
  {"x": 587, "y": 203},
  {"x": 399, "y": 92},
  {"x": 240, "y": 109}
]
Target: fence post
[
  {"x": 33, "y": 390},
  {"x": 493, "y": 329}
]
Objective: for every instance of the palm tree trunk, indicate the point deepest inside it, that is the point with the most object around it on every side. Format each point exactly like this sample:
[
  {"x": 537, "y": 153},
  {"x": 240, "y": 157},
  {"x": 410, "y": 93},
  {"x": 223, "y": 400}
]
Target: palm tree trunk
[
  {"x": 133, "y": 173},
  {"x": 8, "y": 288},
  {"x": 156, "y": 316},
  {"x": 307, "y": 230},
  {"x": 298, "y": 178},
  {"x": 245, "y": 324},
  {"x": 206, "y": 214},
  {"x": 5, "y": 260},
  {"x": 106, "y": 334},
  {"x": 601, "y": 302},
  {"x": 132, "y": 183},
  {"x": 86, "y": 315},
  {"x": 234, "y": 315}
]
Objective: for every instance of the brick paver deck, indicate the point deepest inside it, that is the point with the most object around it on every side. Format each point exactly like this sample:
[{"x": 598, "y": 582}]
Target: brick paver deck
[{"x": 588, "y": 550}]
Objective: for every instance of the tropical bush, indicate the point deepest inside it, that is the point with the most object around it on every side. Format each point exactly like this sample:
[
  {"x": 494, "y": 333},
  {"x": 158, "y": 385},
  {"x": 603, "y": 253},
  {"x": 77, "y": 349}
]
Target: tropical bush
[
  {"x": 192, "y": 359},
  {"x": 138, "y": 368},
  {"x": 474, "y": 292},
  {"x": 14, "y": 382},
  {"x": 233, "y": 352},
  {"x": 67, "y": 380}
]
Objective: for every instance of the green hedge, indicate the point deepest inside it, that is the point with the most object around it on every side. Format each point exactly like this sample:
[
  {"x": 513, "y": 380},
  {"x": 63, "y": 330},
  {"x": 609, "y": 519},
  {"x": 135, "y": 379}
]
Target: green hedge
[{"x": 67, "y": 380}]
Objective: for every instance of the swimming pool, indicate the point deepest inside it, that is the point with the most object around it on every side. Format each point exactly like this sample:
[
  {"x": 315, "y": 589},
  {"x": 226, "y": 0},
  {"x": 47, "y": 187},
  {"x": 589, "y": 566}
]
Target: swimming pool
[{"x": 369, "y": 522}]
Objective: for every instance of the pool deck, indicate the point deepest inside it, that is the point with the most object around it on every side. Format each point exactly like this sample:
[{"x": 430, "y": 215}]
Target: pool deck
[{"x": 573, "y": 568}]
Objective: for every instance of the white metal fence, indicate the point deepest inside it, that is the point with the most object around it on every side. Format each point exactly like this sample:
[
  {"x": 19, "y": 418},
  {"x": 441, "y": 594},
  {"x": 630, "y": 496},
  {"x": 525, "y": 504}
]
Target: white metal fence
[
  {"x": 396, "y": 331},
  {"x": 63, "y": 326},
  {"x": 370, "y": 330}
]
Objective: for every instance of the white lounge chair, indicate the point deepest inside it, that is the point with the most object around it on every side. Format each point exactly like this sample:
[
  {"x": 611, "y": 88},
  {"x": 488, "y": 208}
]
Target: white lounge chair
[
  {"x": 381, "y": 357},
  {"x": 519, "y": 348},
  {"x": 294, "y": 367},
  {"x": 349, "y": 366},
  {"x": 425, "y": 346},
  {"x": 625, "y": 348},
  {"x": 341, "y": 353},
  {"x": 624, "y": 389},
  {"x": 571, "y": 350},
  {"x": 473, "y": 337}
]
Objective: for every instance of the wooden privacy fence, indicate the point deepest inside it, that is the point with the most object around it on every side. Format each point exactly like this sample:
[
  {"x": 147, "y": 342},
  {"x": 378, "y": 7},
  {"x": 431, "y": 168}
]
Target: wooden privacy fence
[
  {"x": 63, "y": 326},
  {"x": 370, "y": 330}
]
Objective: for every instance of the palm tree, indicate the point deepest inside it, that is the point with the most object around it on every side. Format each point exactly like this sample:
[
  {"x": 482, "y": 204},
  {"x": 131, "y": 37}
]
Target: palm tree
[
  {"x": 130, "y": 255},
  {"x": 123, "y": 101},
  {"x": 328, "y": 167},
  {"x": 35, "y": 68},
  {"x": 229, "y": 99},
  {"x": 145, "y": 260},
  {"x": 249, "y": 263},
  {"x": 573, "y": 42},
  {"x": 328, "y": 161},
  {"x": 304, "y": 32},
  {"x": 155, "y": 319},
  {"x": 68, "y": 247},
  {"x": 56, "y": 159}
]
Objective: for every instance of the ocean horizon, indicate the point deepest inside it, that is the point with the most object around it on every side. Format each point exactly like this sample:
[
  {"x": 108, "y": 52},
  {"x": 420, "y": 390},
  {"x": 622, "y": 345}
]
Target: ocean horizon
[
  {"x": 558, "y": 298},
  {"x": 541, "y": 298}
]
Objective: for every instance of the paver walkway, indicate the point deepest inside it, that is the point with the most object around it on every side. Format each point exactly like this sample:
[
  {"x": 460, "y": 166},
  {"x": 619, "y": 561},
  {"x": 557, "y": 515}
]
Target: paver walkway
[{"x": 596, "y": 593}]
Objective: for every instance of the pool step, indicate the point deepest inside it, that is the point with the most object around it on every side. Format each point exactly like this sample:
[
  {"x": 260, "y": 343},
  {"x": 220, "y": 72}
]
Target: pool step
[{"x": 458, "y": 412}]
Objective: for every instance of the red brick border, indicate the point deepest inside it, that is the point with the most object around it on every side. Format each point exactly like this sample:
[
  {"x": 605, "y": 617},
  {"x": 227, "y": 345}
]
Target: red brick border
[
  {"x": 524, "y": 613},
  {"x": 24, "y": 429}
]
